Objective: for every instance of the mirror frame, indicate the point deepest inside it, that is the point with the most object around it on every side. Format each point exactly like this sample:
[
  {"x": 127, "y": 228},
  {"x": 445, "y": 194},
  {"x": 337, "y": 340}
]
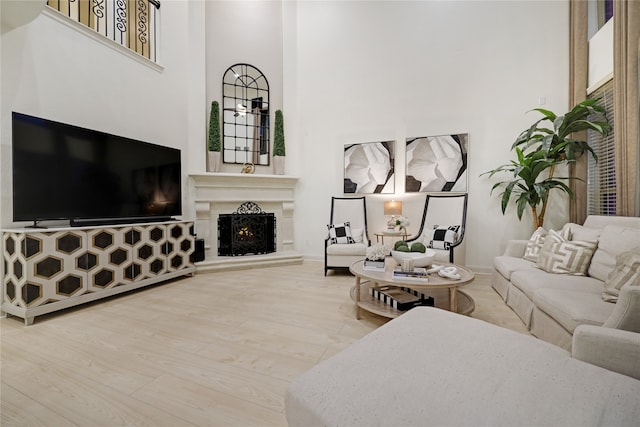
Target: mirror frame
[{"x": 245, "y": 116}]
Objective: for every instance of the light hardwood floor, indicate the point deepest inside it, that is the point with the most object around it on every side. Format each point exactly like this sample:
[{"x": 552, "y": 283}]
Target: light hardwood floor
[{"x": 215, "y": 349}]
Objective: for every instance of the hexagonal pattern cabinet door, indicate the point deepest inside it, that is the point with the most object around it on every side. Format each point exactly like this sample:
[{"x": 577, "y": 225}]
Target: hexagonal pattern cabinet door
[
  {"x": 15, "y": 267},
  {"x": 180, "y": 245},
  {"x": 113, "y": 255},
  {"x": 52, "y": 260},
  {"x": 148, "y": 257}
]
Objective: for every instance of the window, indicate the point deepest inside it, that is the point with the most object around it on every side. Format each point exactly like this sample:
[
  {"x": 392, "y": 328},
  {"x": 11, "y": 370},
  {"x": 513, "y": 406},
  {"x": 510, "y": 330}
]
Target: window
[
  {"x": 601, "y": 176},
  {"x": 599, "y": 13},
  {"x": 130, "y": 23}
]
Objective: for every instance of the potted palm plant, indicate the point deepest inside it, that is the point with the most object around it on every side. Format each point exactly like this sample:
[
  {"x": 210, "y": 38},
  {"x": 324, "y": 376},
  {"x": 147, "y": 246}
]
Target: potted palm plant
[
  {"x": 540, "y": 150},
  {"x": 278, "y": 145},
  {"x": 214, "y": 141}
]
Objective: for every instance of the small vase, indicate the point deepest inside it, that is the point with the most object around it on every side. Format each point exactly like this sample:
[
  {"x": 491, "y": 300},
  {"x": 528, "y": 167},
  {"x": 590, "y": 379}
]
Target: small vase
[{"x": 214, "y": 161}]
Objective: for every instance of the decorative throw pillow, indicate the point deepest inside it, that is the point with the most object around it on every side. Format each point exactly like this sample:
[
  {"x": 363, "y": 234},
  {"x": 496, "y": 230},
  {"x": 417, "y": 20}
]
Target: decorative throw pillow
[
  {"x": 559, "y": 255},
  {"x": 340, "y": 233},
  {"x": 357, "y": 234},
  {"x": 534, "y": 245},
  {"x": 442, "y": 237},
  {"x": 627, "y": 270}
]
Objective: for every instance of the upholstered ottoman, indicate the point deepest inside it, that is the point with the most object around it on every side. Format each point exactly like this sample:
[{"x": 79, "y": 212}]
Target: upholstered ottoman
[{"x": 433, "y": 367}]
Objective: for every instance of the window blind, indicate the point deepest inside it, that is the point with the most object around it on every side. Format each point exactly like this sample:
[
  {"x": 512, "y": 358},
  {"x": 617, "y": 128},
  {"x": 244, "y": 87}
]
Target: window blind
[{"x": 601, "y": 175}]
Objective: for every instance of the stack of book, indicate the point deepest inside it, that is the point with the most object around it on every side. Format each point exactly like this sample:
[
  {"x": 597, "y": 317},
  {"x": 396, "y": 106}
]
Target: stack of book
[
  {"x": 395, "y": 297},
  {"x": 418, "y": 274},
  {"x": 374, "y": 265},
  {"x": 400, "y": 298}
]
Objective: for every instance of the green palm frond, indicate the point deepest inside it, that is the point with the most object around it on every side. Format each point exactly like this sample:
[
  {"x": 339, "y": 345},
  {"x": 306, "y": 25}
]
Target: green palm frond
[{"x": 539, "y": 150}]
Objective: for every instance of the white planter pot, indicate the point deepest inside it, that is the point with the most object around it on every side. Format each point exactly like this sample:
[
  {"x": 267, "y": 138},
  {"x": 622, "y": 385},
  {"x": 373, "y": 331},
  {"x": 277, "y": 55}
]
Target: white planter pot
[
  {"x": 214, "y": 161},
  {"x": 278, "y": 165}
]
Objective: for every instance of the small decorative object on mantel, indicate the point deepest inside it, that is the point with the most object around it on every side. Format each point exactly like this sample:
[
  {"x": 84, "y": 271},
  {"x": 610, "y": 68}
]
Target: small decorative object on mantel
[
  {"x": 278, "y": 145},
  {"x": 214, "y": 142},
  {"x": 248, "y": 168},
  {"x": 375, "y": 259}
]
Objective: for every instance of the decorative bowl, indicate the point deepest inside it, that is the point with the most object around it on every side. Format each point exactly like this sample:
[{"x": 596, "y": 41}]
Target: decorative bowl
[{"x": 419, "y": 259}]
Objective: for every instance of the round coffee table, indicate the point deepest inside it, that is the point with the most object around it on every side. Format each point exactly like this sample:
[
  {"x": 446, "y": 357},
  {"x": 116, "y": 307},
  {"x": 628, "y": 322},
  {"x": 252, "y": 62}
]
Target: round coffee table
[{"x": 444, "y": 291}]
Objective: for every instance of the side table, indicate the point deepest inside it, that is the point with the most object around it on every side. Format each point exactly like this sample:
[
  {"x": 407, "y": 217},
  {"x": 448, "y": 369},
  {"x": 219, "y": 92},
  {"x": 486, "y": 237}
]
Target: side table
[{"x": 391, "y": 234}]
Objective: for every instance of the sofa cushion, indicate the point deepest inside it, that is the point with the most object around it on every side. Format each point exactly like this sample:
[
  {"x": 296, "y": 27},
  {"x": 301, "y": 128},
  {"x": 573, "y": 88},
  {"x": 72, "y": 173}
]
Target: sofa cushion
[
  {"x": 340, "y": 233},
  {"x": 562, "y": 256},
  {"x": 627, "y": 271},
  {"x": 350, "y": 249},
  {"x": 580, "y": 232},
  {"x": 613, "y": 241},
  {"x": 601, "y": 221},
  {"x": 571, "y": 308},
  {"x": 506, "y": 265},
  {"x": 529, "y": 281}
]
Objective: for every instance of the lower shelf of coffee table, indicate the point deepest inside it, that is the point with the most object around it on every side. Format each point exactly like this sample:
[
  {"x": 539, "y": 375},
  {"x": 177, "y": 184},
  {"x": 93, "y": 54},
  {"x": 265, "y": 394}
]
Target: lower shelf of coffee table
[{"x": 367, "y": 302}]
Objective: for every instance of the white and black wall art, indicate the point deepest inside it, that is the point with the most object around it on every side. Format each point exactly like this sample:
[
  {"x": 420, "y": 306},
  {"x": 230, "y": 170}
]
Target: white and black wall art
[
  {"x": 437, "y": 163},
  {"x": 369, "y": 168}
]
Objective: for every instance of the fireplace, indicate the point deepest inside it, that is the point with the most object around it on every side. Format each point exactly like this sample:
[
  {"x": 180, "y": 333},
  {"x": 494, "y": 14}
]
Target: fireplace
[
  {"x": 248, "y": 231},
  {"x": 221, "y": 193}
]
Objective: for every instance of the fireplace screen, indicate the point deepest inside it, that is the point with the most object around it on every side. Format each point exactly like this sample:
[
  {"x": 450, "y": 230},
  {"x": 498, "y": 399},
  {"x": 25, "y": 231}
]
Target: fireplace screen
[{"x": 248, "y": 231}]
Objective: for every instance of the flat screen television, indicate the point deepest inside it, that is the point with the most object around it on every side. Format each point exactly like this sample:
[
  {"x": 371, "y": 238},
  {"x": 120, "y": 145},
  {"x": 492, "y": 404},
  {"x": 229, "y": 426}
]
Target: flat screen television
[{"x": 65, "y": 172}]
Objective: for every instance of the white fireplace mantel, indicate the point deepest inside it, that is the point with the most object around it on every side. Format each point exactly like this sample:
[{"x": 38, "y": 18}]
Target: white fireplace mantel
[{"x": 223, "y": 193}]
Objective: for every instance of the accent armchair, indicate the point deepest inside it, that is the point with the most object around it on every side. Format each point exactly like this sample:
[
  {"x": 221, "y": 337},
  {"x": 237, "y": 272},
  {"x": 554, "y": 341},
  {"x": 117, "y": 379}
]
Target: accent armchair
[
  {"x": 348, "y": 237},
  {"x": 443, "y": 226}
]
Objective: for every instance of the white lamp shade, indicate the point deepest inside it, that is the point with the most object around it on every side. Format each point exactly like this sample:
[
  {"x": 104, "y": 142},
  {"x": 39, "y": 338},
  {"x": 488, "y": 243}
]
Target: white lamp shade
[{"x": 392, "y": 208}]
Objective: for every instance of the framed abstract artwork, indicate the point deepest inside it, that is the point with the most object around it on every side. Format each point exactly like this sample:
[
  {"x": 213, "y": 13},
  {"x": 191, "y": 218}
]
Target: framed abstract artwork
[
  {"x": 437, "y": 163},
  {"x": 369, "y": 168}
]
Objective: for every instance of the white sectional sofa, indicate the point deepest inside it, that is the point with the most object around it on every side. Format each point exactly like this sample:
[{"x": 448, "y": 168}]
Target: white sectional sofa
[
  {"x": 430, "y": 367},
  {"x": 552, "y": 305}
]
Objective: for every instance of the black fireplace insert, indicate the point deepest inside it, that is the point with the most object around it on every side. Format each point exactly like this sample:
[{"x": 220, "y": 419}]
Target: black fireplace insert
[{"x": 248, "y": 231}]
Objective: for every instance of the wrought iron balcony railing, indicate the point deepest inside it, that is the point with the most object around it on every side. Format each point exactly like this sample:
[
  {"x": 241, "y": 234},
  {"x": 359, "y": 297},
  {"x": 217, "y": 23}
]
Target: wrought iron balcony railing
[{"x": 131, "y": 23}]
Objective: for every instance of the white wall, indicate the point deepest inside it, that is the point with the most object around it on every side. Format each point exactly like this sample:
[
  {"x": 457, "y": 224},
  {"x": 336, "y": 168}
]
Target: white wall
[
  {"x": 342, "y": 72},
  {"x": 370, "y": 71},
  {"x": 53, "y": 71}
]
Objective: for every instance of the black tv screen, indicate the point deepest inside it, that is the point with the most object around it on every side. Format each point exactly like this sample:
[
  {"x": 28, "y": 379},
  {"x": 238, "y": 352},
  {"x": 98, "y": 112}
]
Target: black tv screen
[{"x": 65, "y": 172}]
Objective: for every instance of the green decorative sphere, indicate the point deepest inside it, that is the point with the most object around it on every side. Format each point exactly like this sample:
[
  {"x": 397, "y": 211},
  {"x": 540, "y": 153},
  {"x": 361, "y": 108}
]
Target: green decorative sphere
[
  {"x": 418, "y": 247},
  {"x": 400, "y": 243},
  {"x": 403, "y": 248}
]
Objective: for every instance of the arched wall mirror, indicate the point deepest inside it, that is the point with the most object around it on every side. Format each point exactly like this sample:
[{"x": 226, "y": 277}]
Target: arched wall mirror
[{"x": 245, "y": 115}]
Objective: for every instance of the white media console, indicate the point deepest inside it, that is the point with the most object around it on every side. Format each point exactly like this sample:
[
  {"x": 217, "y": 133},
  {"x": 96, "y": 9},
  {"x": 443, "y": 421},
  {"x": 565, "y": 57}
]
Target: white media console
[{"x": 45, "y": 270}]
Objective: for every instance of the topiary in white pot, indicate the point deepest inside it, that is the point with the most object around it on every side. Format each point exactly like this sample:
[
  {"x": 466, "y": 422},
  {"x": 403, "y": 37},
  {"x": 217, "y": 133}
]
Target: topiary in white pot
[
  {"x": 214, "y": 141},
  {"x": 278, "y": 145}
]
